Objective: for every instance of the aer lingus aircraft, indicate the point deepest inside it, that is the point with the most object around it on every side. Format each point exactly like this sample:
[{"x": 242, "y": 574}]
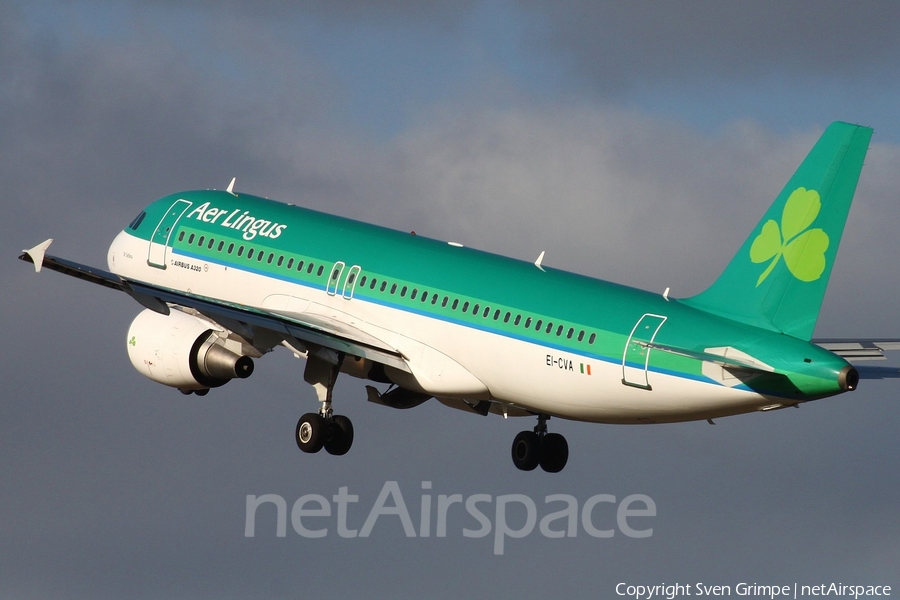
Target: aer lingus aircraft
[{"x": 226, "y": 277}]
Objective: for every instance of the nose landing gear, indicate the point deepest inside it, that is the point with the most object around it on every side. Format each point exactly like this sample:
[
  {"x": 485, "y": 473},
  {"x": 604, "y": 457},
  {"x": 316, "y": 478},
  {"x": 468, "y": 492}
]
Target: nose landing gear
[{"x": 533, "y": 448}]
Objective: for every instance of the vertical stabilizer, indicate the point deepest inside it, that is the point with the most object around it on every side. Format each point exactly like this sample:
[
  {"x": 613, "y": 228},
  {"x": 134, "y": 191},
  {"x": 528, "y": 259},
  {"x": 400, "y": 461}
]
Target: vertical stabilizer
[{"x": 778, "y": 278}]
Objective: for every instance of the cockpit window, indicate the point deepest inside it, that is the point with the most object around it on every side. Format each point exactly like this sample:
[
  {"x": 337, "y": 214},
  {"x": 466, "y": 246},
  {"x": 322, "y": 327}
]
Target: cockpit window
[{"x": 137, "y": 221}]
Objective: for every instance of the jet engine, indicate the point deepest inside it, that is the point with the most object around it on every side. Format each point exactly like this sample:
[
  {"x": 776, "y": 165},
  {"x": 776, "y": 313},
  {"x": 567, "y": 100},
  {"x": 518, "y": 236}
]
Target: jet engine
[{"x": 183, "y": 351}]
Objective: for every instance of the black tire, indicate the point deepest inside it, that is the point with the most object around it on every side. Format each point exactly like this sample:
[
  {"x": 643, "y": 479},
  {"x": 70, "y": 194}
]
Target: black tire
[
  {"x": 341, "y": 439},
  {"x": 555, "y": 453},
  {"x": 311, "y": 432},
  {"x": 526, "y": 451}
]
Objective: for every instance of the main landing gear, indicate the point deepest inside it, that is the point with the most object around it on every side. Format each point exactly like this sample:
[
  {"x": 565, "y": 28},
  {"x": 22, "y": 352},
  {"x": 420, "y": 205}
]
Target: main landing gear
[
  {"x": 533, "y": 448},
  {"x": 324, "y": 429}
]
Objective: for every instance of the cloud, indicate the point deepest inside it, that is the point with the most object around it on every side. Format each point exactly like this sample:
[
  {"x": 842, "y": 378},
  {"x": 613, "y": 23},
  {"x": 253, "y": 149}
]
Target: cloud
[{"x": 620, "y": 45}]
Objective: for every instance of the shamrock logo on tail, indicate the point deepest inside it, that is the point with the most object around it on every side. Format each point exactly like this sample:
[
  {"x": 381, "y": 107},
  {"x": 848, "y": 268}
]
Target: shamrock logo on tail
[{"x": 803, "y": 249}]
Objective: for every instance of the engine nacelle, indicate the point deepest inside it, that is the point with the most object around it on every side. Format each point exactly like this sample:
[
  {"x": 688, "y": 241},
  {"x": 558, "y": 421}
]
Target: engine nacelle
[{"x": 183, "y": 351}]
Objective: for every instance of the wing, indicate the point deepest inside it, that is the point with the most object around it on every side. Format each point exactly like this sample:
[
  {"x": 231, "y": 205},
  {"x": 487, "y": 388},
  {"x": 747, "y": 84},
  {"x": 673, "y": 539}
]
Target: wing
[
  {"x": 855, "y": 350},
  {"x": 336, "y": 336}
]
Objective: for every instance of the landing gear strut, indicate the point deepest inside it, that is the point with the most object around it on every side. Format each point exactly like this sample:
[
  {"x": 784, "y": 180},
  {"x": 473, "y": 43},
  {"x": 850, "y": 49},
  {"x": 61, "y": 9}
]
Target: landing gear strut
[
  {"x": 324, "y": 429},
  {"x": 533, "y": 448}
]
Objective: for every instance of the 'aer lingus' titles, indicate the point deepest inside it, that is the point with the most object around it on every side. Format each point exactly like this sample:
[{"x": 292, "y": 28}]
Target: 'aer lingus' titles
[{"x": 239, "y": 220}]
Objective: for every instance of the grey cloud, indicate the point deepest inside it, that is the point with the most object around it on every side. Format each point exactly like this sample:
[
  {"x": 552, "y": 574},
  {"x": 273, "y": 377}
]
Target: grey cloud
[
  {"x": 620, "y": 45},
  {"x": 444, "y": 14}
]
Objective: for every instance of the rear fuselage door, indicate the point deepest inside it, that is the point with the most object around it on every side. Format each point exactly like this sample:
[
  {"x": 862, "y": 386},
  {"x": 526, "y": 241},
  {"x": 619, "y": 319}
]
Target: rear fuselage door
[
  {"x": 159, "y": 241},
  {"x": 636, "y": 358}
]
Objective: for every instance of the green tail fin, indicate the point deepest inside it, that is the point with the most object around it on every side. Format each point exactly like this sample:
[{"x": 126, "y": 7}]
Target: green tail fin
[{"x": 778, "y": 278}]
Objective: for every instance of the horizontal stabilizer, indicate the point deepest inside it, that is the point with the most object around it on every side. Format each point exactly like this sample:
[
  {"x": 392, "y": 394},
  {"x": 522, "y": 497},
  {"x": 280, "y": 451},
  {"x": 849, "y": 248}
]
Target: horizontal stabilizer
[
  {"x": 878, "y": 372},
  {"x": 859, "y": 349}
]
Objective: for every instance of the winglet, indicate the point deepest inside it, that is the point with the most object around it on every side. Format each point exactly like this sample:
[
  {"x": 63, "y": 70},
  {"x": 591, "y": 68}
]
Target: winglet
[
  {"x": 539, "y": 260},
  {"x": 230, "y": 188},
  {"x": 36, "y": 254}
]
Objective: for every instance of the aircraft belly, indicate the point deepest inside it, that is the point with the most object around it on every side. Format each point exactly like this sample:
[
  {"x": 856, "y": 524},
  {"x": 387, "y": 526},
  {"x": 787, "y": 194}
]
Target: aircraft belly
[{"x": 567, "y": 385}]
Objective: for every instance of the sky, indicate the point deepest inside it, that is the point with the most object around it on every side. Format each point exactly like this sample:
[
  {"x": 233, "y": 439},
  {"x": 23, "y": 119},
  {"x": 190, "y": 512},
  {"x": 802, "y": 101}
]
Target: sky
[{"x": 637, "y": 142}]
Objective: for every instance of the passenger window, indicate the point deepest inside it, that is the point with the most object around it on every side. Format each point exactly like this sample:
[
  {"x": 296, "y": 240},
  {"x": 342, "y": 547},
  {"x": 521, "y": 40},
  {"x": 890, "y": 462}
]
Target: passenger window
[
  {"x": 475, "y": 309},
  {"x": 230, "y": 248},
  {"x": 260, "y": 256},
  {"x": 210, "y": 244},
  {"x": 549, "y": 327},
  {"x": 271, "y": 256},
  {"x": 527, "y": 322},
  {"x": 191, "y": 239},
  {"x": 393, "y": 289},
  {"x": 250, "y": 254},
  {"x": 581, "y": 335},
  {"x": 571, "y": 331},
  {"x": 414, "y": 293},
  {"x": 310, "y": 268},
  {"x": 434, "y": 299},
  {"x": 200, "y": 241},
  {"x": 465, "y": 307},
  {"x": 362, "y": 281},
  {"x": 444, "y": 302},
  {"x": 537, "y": 326},
  {"x": 281, "y": 260},
  {"x": 221, "y": 245},
  {"x": 321, "y": 269},
  {"x": 240, "y": 250},
  {"x": 383, "y": 285},
  {"x": 559, "y": 331},
  {"x": 497, "y": 315},
  {"x": 181, "y": 236},
  {"x": 351, "y": 278},
  {"x": 592, "y": 338},
  {"x": 290, "y": 263},
  {"x": 299, "y": 265},
  {"x": 403, "y": 292},
  {"x": 487, "y": 311},
  {"x": 506, "y": 318},
  {"x": 518, "y": 320}
]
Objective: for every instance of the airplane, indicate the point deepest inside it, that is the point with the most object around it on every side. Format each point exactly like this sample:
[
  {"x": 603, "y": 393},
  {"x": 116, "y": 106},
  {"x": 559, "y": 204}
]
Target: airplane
[{"x": 226, "y": 277}]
